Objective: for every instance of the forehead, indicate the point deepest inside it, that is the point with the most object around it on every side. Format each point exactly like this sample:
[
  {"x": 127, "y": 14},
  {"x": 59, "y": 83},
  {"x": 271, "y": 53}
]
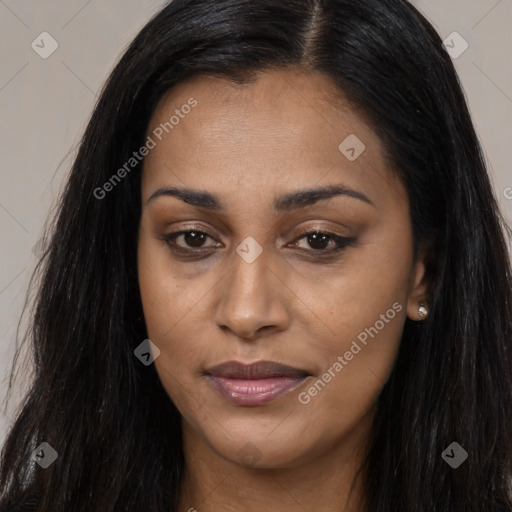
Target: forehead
[{"x": 284, "y": 128}]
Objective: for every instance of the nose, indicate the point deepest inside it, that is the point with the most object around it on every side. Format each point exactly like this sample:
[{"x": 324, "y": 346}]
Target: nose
[{"x": 252, "y": 299}]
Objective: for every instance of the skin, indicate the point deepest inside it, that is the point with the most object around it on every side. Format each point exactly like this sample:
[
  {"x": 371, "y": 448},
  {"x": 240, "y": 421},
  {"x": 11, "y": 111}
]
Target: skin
[{"x": 248, "y": 145}]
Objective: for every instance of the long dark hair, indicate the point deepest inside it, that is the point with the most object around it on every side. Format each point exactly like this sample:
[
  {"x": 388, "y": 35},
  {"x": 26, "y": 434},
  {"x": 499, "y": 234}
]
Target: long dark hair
[{"x": 116, "y": 432}]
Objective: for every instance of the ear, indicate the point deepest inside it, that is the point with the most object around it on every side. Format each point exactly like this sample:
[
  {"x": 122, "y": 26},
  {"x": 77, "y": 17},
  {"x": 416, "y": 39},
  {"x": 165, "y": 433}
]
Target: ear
[{"x": 419, "y": 288}]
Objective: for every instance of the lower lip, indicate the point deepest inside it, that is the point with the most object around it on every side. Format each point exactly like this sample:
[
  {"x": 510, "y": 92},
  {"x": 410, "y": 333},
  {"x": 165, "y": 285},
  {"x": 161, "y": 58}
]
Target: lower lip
[{"x": 255, "y": 391}]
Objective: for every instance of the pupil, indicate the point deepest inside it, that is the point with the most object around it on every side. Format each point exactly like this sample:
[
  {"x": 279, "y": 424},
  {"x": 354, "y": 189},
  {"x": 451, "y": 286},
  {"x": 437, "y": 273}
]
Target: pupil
[
  {"x": 317, "y": 240},
  {"x": 194, "y": 238}
]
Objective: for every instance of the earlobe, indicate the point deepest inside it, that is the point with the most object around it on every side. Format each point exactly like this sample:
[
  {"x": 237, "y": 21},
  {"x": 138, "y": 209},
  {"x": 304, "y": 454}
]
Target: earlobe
[{"x": 417, "y": 304}]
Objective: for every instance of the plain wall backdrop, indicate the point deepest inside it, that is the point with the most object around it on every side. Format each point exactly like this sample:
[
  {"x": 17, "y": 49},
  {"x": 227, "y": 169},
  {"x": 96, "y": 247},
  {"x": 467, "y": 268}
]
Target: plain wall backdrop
[{"x": 55, "y": 56}]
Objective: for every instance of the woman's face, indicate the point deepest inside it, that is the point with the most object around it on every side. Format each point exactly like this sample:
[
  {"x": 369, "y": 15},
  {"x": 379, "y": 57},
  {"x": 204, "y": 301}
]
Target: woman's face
[{"x": 236, "y": 169}]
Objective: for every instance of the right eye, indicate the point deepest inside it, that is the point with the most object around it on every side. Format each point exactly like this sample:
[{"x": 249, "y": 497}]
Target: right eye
[{"x": 193, "y": 240}]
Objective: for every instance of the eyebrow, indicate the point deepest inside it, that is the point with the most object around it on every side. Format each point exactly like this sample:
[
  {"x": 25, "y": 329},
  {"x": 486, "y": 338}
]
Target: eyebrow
[{"x": 284, "y": 203}]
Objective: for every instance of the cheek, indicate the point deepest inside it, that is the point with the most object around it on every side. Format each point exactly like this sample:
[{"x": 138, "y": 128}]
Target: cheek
[
  {"x": 174, "y": 314},
  {"x": 167, "y": 300},
  {"x": 366, "y": 310},
  {"x": 356, "y": 363},
  {"x": 159, "y": 294},
  {"x": 353, "y": 295},
  {"x": 377, "y": 276}
]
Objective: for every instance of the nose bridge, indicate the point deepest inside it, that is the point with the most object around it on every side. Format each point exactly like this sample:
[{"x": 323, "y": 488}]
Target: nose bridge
[
  {"x": 249, "y": 271},
  {"x": 250, "y": 297}
]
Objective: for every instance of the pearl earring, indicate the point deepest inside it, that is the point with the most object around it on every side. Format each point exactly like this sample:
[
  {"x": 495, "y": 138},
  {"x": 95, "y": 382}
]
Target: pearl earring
[{"x": 422, "y": 311}]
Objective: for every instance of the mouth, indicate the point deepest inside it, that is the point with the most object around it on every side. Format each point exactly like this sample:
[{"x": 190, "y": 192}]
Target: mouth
[{"x": 256, "y": 383}]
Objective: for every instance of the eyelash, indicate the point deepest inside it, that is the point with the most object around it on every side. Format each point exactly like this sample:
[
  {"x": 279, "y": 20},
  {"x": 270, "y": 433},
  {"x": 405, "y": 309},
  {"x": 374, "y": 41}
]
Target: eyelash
[{"x": 341, "y": 243}]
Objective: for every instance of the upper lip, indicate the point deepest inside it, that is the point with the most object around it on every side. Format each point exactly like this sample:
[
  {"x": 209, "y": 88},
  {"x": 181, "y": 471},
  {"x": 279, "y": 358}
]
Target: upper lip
[{"x": 257, "y": 370}]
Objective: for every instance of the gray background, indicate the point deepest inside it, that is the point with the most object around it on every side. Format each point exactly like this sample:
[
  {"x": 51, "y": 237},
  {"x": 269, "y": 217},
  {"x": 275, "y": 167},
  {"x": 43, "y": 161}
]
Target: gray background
[{"x": 45, "y": 103}]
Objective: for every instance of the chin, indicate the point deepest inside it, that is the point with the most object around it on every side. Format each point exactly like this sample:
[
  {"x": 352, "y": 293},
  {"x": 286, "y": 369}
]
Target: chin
[{"x": 259, "y": 450}]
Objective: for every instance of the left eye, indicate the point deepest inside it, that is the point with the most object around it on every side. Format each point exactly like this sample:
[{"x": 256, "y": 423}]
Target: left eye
[{"x": 319, "y": 240}]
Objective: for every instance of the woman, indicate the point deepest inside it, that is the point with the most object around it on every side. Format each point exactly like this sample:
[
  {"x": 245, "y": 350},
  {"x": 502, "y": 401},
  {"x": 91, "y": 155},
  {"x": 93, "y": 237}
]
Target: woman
[{"x": 278, "y": 278}]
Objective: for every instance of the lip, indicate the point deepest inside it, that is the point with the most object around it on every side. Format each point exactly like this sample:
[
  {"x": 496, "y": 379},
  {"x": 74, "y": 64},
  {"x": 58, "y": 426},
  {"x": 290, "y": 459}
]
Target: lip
[{"x": 255, "y": 384}]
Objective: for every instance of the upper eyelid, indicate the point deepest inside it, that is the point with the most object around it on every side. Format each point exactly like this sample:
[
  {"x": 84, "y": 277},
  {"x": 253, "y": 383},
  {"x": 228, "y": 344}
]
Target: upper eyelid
[
  {"x": 322, "y": 229},
  {"x": 176, "y": 234}
]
